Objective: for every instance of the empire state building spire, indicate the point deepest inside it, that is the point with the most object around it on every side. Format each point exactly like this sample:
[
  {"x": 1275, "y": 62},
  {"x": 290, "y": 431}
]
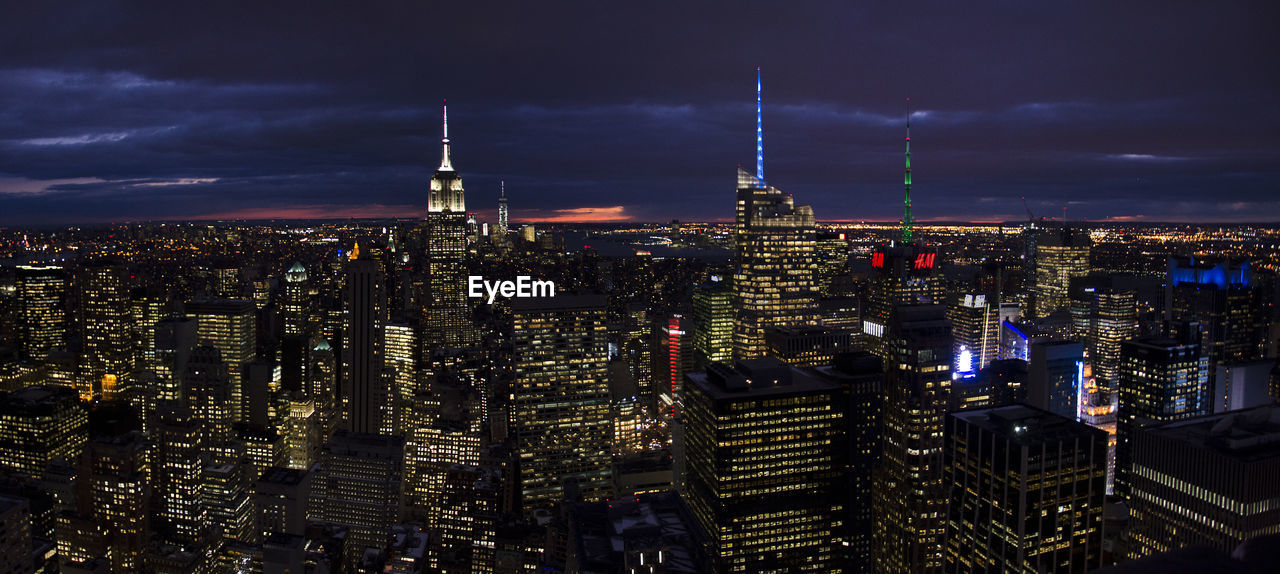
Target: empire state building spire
[
  {"x": 446, "y": 187},
  {"x": 907, "y": 221},
  {"x": 446, "y": 162}
]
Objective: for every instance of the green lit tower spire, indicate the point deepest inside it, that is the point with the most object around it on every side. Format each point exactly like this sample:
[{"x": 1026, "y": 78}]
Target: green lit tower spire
[{"x": 907, "y": 222}]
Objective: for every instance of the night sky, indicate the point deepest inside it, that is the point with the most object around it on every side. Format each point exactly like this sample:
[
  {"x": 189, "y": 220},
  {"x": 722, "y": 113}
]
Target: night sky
[{"x": 129, "y": 111}]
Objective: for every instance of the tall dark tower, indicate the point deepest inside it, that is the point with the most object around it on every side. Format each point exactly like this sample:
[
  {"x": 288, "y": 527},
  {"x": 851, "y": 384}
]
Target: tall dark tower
[
  {"x": 364, "y": 388},
  {"x": 446, "y": 305},
  {"x": 907, "y": 222}
]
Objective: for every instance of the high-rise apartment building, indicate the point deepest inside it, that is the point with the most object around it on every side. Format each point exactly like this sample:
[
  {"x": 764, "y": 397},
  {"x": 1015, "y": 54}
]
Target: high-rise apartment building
[
  {"x": 179, "y": 485},
  {"x": 764, "y": 468},
  {"x": 104, "y": 321},
  {"x": 42, "y": 293},
  {"x": 1002, "y": 515},
  {"x": 359, "y": 485},
  {"x": 1105, "y": 315},
  {"x": 38, "y": 425},
  {"x": 119, "y": 469},
  {"x": 207, "y": 390},
  {"x": 910, "y": 500},
  {"x": 1162, "y": 379},
  {"x": 712, "y": 323},
  {"x": 560, "y": 397},
  {"x": 175, "y": 337},
  {"x": 230, "y": 326}
]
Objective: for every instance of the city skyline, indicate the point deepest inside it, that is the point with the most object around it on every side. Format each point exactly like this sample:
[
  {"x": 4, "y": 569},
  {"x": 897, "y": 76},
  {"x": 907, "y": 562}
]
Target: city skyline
[{"x": 122, "y": 115}]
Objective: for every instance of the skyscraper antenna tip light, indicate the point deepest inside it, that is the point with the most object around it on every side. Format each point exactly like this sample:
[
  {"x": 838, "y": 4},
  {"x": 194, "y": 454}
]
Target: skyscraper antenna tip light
[{"x": 759, "y": 132}]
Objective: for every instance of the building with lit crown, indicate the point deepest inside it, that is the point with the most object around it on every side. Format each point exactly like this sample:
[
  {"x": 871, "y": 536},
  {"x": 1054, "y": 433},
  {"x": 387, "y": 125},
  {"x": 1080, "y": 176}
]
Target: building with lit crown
[{"x": 446, "y": 308}]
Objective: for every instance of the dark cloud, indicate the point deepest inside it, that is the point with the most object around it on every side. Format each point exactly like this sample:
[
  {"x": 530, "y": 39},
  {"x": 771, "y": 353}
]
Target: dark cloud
[{"x": 127, "y": 110}]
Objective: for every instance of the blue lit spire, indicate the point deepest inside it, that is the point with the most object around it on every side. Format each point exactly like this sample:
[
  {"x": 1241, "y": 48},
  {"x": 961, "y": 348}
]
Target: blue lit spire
[{"x": 759, "y": 132}]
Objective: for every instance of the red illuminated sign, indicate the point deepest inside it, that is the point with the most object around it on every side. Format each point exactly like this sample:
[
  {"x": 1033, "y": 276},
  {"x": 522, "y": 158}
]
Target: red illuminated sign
[
  {"x": 923, "y": 261},
  {"x": 877, "y": 260}
]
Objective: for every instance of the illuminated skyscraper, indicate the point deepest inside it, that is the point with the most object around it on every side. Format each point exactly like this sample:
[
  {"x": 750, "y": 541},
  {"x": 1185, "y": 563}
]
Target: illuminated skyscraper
[
  {"x": 1206, "y": 481},
  {"x": 775, "y": 258},
  {"x": 712, "y": 324},
  {"x": 230, "y": 326},
  {"x": 296, "y": 308},
  {"x": 1062, "y": 253},
  {"x": 229, "y": 499},
  {"x": 502, "y": 212},
  {"x": 1002, "y": 518},
  {"x": 322, "y": 385},
  {"x": 119, "y": 467},
  {"x": 174, "y": 338},
  {"x": 446, "y": 429},
  {"x": 1161, "y": 380},
  {"x": 1234, "y": 311},
  {"x": 447, "y": 310},
  {"x": 403, "y": 350},
  {"x": 182, "y": 517},
  {"x": 975, "y": 324},
  {"x": 1105, "y": 315},
  {"x": 763, "y": 471},
  {"x": 42, "y": 292},
  {"x": 207, "y": 388},
  {"x": 104, "y": 319},
  {"x": 672, "y": 358},
  {"x": 38, "y": 425},
  {"x": 560, "y": 397},
  {"x": 365, "y": 393},
  {"x": 910, "y": 500},
  {"x": 905, "y": 274}
]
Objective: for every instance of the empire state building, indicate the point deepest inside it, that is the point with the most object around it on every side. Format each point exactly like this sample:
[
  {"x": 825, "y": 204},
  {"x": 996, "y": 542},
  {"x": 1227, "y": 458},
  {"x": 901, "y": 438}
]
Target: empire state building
[{"x": 446, "y": 310}]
